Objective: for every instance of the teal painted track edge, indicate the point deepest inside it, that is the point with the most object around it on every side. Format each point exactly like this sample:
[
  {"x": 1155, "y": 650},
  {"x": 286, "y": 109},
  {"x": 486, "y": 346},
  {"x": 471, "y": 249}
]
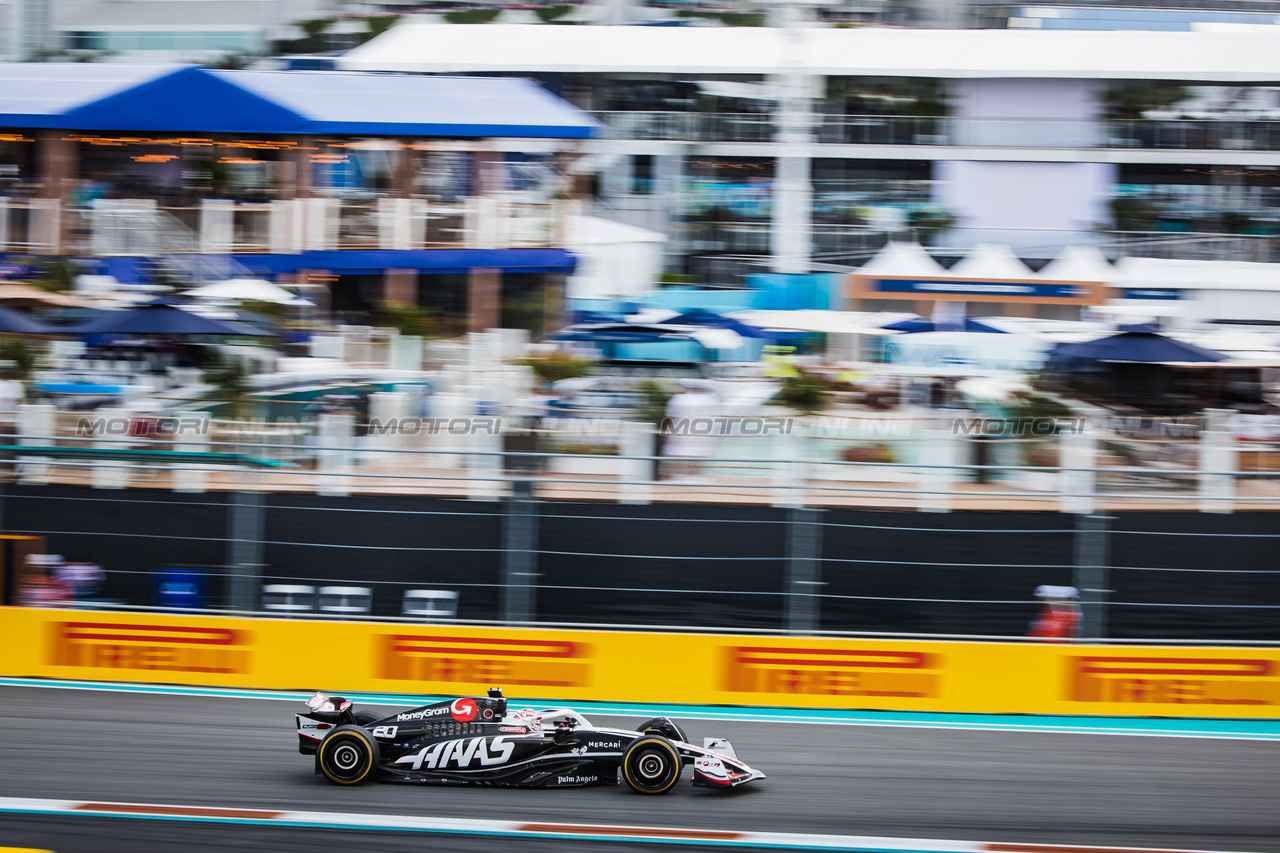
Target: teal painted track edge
[
  {"x": 688, "y": 842},
  {"x": 1188, "y": 727}
]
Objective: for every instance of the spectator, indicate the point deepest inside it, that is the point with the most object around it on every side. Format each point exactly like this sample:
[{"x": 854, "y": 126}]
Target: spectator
[
  {"x": 1059, "y": 620},
  {"x": 687, "y": 440}
]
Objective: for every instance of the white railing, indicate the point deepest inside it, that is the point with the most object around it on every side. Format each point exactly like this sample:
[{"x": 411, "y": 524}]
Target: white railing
[
  {"x": 1228, "y": 135},
  {"x": 847, "y": 460},
  {"x": 139, "y": 227}
]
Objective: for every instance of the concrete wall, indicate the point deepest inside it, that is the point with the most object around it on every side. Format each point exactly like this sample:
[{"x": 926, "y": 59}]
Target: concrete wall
[
  {"x": 1231, "y": 305},
  {"x": 1026, "y": 98},
  {"x": 1019, "y": 196}
]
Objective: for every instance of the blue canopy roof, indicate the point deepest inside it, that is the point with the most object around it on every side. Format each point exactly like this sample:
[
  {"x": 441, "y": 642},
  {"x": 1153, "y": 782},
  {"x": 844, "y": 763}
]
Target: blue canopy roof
[
  {"x": 173, "y": 98},
  {"x": 13, "y": 322},
  {"x": 912, "y": 326},
  {"x": 1139, "y": 344},
  {"x": 156, "y": 319},
  {"x": 703, "y": 317}
]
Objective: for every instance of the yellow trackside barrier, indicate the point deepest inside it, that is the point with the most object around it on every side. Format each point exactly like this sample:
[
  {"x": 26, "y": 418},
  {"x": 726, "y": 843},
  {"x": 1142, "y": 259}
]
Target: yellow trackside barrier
[{"x": 640, "y": 667}]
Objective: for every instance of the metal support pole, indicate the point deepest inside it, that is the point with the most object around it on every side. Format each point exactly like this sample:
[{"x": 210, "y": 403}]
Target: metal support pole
[
  {"x": 519, "y": 554},
  {"x": 1092, "y": 576},
  {"x": 804, "y": 569},
  {"x": 245, "y": 527}
]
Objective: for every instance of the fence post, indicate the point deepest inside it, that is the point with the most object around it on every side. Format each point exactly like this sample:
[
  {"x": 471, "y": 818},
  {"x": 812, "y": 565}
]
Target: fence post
[
  {"x": 637, "y": 474},
  {"x": 788, "y": 466},
  {"x": 36, "y": 426},
  {"x": 1079, "y": 464},
  {"x": 804, "y": 554},
  {"x": 405, "y": 353},
  {"x": 1217, "y": 463},
  {"x": 245, "y": 526},
  {"x": 187, "y": 477},
  {"x": 109, "y": 473},
  {"x": 1092, "y": 576},
  {"x": 388, "y": 411},
  {"x": 519, "y": 554},
  {"x": 484, "y": 468},
  {"x": 939, "y": 448},
  {"x": 335, "y": 436},
  {"x": 446, "y": 407}
]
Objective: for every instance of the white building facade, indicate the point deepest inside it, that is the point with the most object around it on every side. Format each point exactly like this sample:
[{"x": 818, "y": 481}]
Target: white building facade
[{"x": 801, "y": 149}]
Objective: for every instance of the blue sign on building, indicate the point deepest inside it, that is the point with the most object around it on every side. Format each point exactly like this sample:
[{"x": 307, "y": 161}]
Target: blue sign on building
[
  {"x": 1152, "y": 293},
  {"x": 982, "y": 288}
]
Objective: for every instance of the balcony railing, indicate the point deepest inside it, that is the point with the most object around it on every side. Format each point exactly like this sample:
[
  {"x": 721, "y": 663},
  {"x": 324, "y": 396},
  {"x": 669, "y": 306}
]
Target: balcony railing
[
  {"x": 219, "y": 227},
  {"x": 1212, "y": 135},
  {"x": 1258, "y": 135},
  {"x": 691, "y": 127},
  {"x": 850, "y": 245}
]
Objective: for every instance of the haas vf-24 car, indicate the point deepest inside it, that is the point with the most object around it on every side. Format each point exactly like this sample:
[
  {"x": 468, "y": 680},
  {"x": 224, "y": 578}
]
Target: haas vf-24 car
[{"x": 477, "y": 741}]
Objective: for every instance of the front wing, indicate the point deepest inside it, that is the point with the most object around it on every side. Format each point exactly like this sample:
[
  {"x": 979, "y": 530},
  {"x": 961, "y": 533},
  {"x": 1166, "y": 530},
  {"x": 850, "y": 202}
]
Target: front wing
[{"x": 716, "y": 765}]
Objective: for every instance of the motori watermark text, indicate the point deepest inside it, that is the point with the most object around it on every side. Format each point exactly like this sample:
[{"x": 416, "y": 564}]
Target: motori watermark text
[
  {"x": 1044, "y": 427},
  {"x": 123, "y": 425}
]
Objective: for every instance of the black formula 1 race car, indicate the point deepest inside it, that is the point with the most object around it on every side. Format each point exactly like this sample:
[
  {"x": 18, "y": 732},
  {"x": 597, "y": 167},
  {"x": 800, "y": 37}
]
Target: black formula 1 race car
[{"x": 470, "y": 741}]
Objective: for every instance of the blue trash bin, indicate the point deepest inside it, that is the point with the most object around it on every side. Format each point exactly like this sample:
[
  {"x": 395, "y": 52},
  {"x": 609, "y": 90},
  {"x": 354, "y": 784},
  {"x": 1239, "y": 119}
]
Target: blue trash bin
[{"x": 183, "y": 588}]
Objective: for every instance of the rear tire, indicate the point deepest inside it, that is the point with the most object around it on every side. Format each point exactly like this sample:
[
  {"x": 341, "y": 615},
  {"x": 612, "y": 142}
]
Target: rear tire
[
  {"x": 651, "y": 765},
  {"x": 348, "y": 755}
]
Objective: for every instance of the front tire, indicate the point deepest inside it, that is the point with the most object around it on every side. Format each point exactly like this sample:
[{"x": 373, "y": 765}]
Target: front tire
[
  {"x": 348, "y": 755},
  {"x": 651, "y": 765}
]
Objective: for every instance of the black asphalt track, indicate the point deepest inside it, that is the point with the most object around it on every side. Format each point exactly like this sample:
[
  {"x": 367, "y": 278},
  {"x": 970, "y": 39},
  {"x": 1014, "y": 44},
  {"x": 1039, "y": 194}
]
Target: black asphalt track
[{"x": 1064, "y": 789}]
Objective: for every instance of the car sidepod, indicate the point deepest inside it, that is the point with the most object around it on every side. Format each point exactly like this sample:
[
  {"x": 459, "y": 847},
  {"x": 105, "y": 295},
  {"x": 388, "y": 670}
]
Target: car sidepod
[{"x": 500, "y": 756}]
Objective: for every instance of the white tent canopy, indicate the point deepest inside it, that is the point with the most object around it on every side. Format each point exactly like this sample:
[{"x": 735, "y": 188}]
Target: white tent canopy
[
  {"x": 991, "y": 262},
  {"x": 829, "y": 322},
  {"x": 1079, "y": 263},
  {"x": 1059, "y": 331},
  {"x": 246, "y": 290},
  {"x": 903, "y": 259},
  {"x": 1126, "y": 309}
]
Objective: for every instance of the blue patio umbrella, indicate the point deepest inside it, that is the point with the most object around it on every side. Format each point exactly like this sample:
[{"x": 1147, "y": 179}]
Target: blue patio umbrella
[
  {"x": 1137, "y": 343},
  {"x": 712, "y": 320},
  {"x": 594, "y": 317},
  {"x": 921, "y": 325},
  {"x": 159, "y": 320},
  {"x": 614, "y": 334},
  {"x": 19, "y": 324}
]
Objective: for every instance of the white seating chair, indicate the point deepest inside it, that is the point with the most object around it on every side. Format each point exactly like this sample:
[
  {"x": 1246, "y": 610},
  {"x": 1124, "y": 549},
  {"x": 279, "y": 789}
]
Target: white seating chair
[
  {"x": 430, "y": 604},
  {"x": 346, "y": 600},
  {"x": 288, "y": 598}
]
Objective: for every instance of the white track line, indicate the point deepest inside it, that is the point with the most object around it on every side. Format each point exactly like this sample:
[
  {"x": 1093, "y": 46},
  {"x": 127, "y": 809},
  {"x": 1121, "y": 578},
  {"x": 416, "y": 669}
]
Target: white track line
[
  {"x": 1212, "y": 729},
  {"x": 526, "y": 829}
]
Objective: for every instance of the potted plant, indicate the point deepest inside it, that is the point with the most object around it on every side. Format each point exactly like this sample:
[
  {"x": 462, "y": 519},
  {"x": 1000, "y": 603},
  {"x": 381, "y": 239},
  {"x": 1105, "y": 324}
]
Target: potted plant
[
  {"x": 805, "y": 393},
  {"x": 558, "y": 366},
  {"x": 1040, "y": 454},
  {"x": 928, "y": 222},
  {"x": 583, "y": 457},
  {"x": 878, "y": 452},
  {"x": 871, "y": 452}
]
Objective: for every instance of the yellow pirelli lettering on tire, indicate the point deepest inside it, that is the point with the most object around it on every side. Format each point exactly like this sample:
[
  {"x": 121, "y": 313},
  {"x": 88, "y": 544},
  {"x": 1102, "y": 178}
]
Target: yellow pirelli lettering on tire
[{"x": 327, "y": 743}]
